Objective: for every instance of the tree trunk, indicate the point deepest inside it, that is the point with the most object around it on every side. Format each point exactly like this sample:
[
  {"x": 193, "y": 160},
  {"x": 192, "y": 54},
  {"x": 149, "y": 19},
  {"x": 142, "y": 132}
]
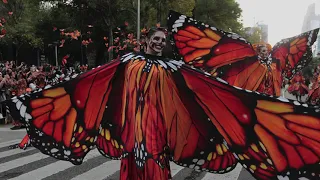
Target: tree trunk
[
  {"x": 110, "y": 32},
  {"x": 159, "y": 11},
  {"x": 110, "y": 43},
  {"x": 16, "y": 53},
  {"x": 194, "y": 10},
  {"x": 38, "y": 57}
]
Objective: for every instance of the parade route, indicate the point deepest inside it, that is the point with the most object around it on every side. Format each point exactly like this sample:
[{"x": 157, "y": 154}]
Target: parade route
[{"x": 30, "y": 164}]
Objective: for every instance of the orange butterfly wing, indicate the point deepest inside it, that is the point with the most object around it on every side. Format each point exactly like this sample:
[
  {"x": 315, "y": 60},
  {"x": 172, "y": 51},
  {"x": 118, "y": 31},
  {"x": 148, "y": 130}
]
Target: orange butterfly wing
[
  {"x": 206, "y": 47},
  {"x": 270, "y": 137},
  {"x": 220, "y": 53},
  {"x": 294, "y": 53},
  {"x": 163, "y": 123},
  {"x": 193, "y": 141},
  {"x": 64, "y": 121}
]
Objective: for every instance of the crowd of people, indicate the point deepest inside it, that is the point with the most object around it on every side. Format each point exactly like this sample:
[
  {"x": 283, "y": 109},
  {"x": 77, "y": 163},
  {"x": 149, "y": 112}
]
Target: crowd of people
[
  {"x": 16, "y": 80},
  {"x": 146, "y": 109}
]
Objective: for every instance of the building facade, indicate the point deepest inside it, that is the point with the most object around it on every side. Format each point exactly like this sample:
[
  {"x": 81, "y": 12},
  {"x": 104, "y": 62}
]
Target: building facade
[
  {"x": 264, "y": 32},
  {"x": 312, "y": 21}
]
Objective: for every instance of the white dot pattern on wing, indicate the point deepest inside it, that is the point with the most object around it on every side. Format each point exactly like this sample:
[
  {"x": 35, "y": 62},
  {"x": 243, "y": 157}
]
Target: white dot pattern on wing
[
  {"x": 169, "y": 64},
  {"x": 306, "y": 58},
  {"x": 183, "y": 19},
  {"x": 175, "y": 65}
]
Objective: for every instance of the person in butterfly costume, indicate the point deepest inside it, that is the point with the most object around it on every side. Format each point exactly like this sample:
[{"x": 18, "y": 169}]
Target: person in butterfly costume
[
  {"x": 232, "y": 58},
  {"x": 314, "y": 79},
  {"x": 146, "y": 110},
  {"x": 298, "y": 87},
  {"x": 314, "y": 93}
]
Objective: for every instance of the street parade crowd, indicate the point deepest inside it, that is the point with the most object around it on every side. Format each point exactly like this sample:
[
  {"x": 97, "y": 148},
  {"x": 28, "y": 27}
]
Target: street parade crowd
[
  {"x": 16, "y": 80},
  {"x": 217, "y": 105}
]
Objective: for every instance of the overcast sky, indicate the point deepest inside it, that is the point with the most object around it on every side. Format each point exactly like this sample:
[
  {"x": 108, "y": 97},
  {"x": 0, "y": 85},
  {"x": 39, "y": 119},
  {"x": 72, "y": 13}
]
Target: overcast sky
[{"x": 284, "y": 17}]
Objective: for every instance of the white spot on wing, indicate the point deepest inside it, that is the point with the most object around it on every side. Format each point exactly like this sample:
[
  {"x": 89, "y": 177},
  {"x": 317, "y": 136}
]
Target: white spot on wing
[
  {"x": 23, "y": 110},
  {"x": 27, "y": 117},
  {"x": 175, "y": 26},
  {"x": 47, "y": 87},
  {"x": 162, "y": 64},
  {"x": 18, "y": 104},
  {"x": 283, "y": 178},
  {"x": 54, "y": 150},
  {"x": 180, "y": 21},
  {"x": 172, "y": 66},
  {"x": 283, "y": 99},
  {"x": 296, "y": 103},
  {"x": 127, "y": 58},
  {"x": 221, "y": 80}
]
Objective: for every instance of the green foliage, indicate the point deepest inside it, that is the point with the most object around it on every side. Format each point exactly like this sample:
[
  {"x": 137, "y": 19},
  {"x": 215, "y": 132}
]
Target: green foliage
[
  {"x": 223, "y": 14},
  {"x": 308, "y": 70},
  {"x": 33, "y": 24},
  {"x": 30, "y": 19},
  {"x": 252, "y": 34},
  {"x": 183, "y": 6},
  {"x": 20, "y": 26}
]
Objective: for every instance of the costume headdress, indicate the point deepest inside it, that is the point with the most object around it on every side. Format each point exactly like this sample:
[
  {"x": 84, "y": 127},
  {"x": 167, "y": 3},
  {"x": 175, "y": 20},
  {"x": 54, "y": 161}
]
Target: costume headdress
[{"x": 256, "y": 46}]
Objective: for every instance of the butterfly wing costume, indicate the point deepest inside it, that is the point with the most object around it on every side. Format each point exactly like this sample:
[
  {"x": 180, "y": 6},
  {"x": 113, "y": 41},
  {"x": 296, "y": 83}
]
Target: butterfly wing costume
[
  {"x": 231, "y": 57},
  {"x": 148, "y": 110}
]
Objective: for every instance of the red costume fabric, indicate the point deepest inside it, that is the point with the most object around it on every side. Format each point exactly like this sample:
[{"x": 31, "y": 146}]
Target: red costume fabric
[{"x": 297, "y": 86}]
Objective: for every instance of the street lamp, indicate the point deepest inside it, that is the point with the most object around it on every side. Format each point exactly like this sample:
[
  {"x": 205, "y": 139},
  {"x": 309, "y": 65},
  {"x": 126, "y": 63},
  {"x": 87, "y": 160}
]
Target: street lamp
[
  {"x": 138, "y": 22},
  {"x": 55, "y": 44},
  {"x": 56, "y": 51}
]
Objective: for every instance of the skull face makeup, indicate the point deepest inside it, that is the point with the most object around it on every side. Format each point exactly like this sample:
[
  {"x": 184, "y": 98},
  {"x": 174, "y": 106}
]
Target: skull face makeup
[
  {"x": 33, "y": 68},
  {"x": 156, "y": 43},
  {"x": 263, "y": 52}
]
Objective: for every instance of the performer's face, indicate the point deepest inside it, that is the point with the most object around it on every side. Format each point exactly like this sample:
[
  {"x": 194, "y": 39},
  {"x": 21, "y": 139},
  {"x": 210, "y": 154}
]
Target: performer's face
[
  {"x": 156, "y": 43},
  {"x": 32, "y": 68},
  {"x": 264, "y": 52}
]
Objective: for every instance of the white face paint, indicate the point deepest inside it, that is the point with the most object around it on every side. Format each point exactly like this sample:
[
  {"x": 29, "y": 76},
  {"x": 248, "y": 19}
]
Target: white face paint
[
  {"x": 156, "y": 43},
  {"x": 264, "y": 53},
  {"x": 33, "y": 68}
]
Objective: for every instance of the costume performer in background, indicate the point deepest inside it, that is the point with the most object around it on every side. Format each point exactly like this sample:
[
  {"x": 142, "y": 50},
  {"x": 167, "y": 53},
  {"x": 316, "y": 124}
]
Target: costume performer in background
[
  {"x": 37, "y": 78},
  {"x": 298, "y": 87},
  {"x": 314, "y": 93},
  {"x": 314, "y": 79},
  {"x": 21, "y": 89},
  {"x": 232, "y": 58},
  {"x": 146, "y": 109}
]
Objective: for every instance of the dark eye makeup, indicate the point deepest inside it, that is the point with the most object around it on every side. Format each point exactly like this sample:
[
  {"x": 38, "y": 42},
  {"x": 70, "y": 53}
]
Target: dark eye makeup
[{"x": 157, "y": 38}]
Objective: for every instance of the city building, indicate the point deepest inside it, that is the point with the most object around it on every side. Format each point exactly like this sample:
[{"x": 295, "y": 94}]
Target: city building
[
  {"x": 264, "y": 32},
  {"x": 312, "y": 21},
  {"x": 250, "y": 31}
]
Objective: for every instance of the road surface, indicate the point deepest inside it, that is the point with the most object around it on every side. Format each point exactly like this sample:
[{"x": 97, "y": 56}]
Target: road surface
[{"x": 30, "y": 164}]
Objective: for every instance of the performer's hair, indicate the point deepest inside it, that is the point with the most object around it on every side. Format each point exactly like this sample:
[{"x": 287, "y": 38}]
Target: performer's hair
[
  {"x": 257, "y": 47},
  {"x": 154, "y": 30},
  {"x": 260, "y": 46},
  {"x": 168, "y": 49}
]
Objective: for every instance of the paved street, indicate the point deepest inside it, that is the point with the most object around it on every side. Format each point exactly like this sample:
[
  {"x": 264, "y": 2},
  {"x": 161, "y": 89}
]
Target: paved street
[{"x": 30, "y": 164}]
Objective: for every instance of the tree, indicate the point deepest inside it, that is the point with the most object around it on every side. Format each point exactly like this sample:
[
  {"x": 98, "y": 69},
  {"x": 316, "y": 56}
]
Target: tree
[
  {"x": 252, "y": 34},
  {"x": 223, "y": 14},
  {"x": 40, "y": 25},
  {"x": 103, "y": 16},
  {"x": 21, "y": 17},
  {"x": 156, "y": 11},
  {"x": 308, "y": 70}
]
